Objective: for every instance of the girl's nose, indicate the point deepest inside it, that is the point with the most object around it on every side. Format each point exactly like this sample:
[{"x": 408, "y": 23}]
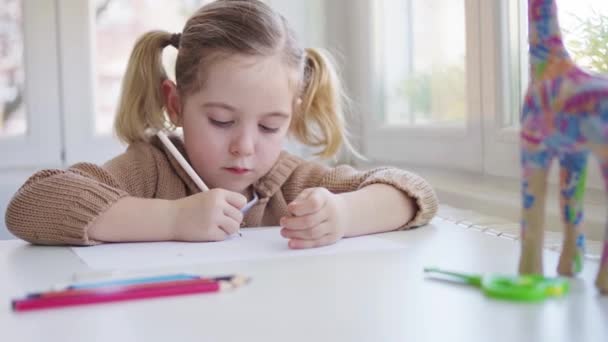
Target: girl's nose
[{"x": 242, "y": 145}]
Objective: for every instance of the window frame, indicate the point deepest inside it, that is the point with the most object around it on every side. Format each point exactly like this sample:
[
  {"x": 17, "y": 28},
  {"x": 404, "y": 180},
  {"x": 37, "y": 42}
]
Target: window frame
[
  {"x": 501, "y": 142},
  {"x": 487, "y": 146},
  {"x": 41, "y": 145},
  {"x": 78, "y": 47},
  {"x": 424, "y": 145}
]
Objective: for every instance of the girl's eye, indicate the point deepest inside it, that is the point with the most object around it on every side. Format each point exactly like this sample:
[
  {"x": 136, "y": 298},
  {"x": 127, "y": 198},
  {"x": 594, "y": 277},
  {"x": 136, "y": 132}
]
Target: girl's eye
[
  {"x": 268, "y": 129},
  {"x": 221, "y": 123}
]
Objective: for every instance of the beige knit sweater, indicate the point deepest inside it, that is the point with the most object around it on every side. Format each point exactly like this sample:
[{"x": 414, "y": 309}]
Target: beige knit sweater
[{"x": 57, "y": 206}]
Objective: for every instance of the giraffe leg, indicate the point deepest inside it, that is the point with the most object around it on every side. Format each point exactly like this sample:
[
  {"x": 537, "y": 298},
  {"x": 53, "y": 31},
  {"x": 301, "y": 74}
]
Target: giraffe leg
[
  {"x": 602, "y": 277},
  {"x": 573, "y": 172},
  {"x": 534, "y": 187}
]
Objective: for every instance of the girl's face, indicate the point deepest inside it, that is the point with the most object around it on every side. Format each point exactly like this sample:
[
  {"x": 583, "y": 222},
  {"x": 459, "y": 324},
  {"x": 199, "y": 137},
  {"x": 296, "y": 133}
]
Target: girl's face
[{"x": 235, "y": 127}]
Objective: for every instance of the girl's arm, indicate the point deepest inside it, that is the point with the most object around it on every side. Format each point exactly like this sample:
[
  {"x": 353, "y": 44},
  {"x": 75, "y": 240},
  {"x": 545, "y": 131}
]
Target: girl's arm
[
  {"x": 207, "y": 216},
  {"x": 405, "y": 197},
  {"x": 377, "y": 208},
  {"x": 134, "y": 219},
  {"x": 56, "y": 207},
  {"x": 346, "y": 202}
]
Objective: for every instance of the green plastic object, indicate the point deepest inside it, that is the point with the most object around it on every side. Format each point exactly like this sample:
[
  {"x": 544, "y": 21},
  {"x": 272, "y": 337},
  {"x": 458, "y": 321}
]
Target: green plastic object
[{"x": 514, "y": 288}]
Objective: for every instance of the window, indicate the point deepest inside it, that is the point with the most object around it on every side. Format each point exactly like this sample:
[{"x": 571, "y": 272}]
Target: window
[
  {"x": 102, "y": 33},
  {"x": 12, "y": 71},
  {"x": 442, "y": 80},
  {"x": 424, "y": 78},
  {"x": 118, "y": 23},
  {"x": 421, "y": 61},
  {"x": 585, "y": 25},
  {"x": 29, "y": 82}
]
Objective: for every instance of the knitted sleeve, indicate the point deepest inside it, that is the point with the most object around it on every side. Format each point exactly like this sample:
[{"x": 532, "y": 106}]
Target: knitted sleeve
[
  {"x": 56, "y": 207},
  {"x": 345, "y": 179}
]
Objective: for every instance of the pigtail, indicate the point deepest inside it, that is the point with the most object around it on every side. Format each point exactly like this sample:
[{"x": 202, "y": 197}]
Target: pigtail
[
  {"x": 141, "y": 103},
  {"x": 319, "y": 119}
]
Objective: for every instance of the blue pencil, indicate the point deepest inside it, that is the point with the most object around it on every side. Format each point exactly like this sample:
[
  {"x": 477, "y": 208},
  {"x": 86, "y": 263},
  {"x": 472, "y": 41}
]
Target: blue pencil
[
  {"x": 133, "y": 281},
  {"x": 237, "y": 279}
]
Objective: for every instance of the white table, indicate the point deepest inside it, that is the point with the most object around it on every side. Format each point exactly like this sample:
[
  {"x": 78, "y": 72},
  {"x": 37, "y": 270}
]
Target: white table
[{"x": 381, "y": 296}]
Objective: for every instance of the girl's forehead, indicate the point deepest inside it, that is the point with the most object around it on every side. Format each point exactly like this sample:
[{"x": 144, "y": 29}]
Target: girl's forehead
[
  {"x": 250, "y": 80},
  {"x": 246, "y": 69}
]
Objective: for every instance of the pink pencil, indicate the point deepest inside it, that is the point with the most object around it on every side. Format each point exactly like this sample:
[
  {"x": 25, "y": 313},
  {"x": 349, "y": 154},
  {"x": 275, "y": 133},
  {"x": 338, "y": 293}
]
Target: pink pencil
[
  {"x": 40, "y": 303},
  {"x": 119, "y": 288}
]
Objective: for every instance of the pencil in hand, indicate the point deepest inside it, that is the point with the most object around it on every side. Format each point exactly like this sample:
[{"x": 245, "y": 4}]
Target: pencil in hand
[
  {"x": 184, "y": 164},
  {"x": 182, "y": 161}
]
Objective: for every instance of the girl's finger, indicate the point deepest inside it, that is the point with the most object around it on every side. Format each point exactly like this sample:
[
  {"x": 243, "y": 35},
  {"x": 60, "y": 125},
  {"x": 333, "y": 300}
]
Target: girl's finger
[
  {"x": 228, "y": 225},
  {"x": 325, "y": 240},
  {"x": 304, "y": 194},
  {"x": 235, "y": 199},
  {"x": 313, "y": 233},
  {"x": 233, "y": 213},
  {"x": 303, "y": 222},
  {"x": 313, "y": 202},
  {"x": 216, "y": 234}
]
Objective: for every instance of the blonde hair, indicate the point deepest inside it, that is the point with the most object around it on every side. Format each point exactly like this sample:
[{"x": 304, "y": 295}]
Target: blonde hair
[{"x": 218, "y": 29}]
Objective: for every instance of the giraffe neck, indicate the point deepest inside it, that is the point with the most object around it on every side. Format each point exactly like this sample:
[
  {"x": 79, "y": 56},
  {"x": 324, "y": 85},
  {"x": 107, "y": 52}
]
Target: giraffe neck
[{"x": 544, "y": 37}]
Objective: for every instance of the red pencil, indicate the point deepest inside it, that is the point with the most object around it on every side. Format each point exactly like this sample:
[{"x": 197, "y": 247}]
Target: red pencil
[
  {"x": 116, "y": 288},
  {"x": 125, "y": 294}
]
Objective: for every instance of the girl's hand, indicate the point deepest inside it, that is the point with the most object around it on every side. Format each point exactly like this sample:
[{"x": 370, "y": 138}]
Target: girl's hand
[
  {"x": 318, "y": 218},
  {"x": 207, "y": 216}
]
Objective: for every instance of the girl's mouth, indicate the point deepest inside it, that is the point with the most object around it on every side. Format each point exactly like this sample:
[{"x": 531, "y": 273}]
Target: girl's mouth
[{"x": 237, "y": 170}]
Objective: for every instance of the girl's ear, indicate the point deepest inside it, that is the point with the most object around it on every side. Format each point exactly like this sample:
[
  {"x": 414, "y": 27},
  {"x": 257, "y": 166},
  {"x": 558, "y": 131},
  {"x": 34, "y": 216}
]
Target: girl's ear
[
  {"x": 172, "y": 100},
  {"x": 297, "y": 104}
]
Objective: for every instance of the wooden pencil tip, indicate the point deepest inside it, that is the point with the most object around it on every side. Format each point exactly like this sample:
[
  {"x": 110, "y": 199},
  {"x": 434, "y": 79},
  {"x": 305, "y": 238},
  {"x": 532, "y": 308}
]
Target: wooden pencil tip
[
  {"x": 226, "y": 285},
  {"x": 239, "y": 280}
]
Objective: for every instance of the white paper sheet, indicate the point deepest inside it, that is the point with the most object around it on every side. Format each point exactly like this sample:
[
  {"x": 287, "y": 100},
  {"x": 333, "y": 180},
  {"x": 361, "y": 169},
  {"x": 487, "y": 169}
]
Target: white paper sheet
[{"x": 254, "y": 244}]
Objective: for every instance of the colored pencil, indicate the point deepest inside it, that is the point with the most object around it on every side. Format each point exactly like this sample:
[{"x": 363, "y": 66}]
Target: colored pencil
[
  {"x": 133, "y": 282},
  {"x": 123, "y": 294},
  {"x": 116, "y": 288},
  {"x": 182, "y": 161}
]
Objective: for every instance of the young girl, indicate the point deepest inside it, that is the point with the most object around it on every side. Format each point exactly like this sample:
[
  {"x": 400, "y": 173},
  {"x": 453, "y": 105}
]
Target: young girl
[{"x": 242, "y": 85}]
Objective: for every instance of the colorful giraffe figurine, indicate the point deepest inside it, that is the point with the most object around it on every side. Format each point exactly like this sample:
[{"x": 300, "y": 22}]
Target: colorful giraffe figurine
[{"x": 565, "y": 116}]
